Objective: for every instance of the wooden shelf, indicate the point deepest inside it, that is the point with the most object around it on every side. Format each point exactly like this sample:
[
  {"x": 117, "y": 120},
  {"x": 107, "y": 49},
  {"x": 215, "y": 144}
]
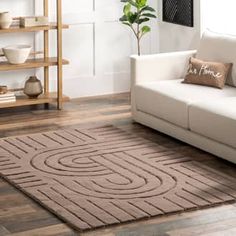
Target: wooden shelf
[
  {"x": 18, "y": 29},
  {"x": 32, "y": 63},
  {"x": 25, "y": 101},
  {"x": 44, "y": 62}
]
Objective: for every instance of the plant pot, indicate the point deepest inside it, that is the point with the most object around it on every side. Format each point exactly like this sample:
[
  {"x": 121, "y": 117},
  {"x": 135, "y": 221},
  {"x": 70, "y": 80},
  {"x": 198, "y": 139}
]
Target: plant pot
[
  {"x": 33, "y": 87},
  {"x": 17, "y": 54},
  {"x": 5, "y": 20}
]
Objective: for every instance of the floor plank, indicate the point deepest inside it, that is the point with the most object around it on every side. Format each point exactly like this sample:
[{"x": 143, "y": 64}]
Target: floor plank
[{"x": 53, "y": 230}]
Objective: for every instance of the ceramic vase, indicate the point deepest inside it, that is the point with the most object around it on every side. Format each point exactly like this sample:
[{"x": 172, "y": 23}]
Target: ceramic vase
[
  {"x": 33, "y": 87},
  {"x": 5, "y": 20}
]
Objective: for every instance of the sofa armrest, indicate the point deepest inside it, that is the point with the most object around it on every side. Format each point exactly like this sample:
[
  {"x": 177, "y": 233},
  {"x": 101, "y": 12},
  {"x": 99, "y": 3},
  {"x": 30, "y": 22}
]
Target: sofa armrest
[{"x": 161, "y": 66}]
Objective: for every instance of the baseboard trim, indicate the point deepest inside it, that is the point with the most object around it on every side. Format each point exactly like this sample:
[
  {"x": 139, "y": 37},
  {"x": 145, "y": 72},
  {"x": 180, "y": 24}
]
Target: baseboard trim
[{"x": 105, "y": 96}]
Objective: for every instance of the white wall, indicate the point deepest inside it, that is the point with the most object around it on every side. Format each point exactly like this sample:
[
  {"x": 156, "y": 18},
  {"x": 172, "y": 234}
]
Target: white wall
[
  {"x": 175, "y": 37},
  {"x": 219, "y": 15},
  {"x": 97, "y": 46}
]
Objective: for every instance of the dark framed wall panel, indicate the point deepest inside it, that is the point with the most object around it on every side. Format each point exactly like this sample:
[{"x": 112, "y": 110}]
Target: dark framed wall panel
[{"x": 178, "y": 12}]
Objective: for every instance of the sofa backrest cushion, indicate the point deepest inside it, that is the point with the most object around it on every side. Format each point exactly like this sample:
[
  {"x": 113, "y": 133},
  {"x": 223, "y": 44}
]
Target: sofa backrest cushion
[{"x": 219, "y": 48}]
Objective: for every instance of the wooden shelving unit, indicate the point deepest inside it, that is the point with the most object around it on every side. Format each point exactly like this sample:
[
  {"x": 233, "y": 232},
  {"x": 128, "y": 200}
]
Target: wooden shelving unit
[
  {"x": 43, "y": 99},
  {"x": 17, "y": 29},
  {"x": 32, "y": 63},
  {"x": 44, "y": 62}
]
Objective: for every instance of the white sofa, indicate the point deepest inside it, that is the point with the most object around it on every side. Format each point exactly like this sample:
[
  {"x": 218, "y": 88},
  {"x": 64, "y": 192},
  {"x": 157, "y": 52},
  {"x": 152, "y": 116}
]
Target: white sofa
[{"x": 204, "y": 117}]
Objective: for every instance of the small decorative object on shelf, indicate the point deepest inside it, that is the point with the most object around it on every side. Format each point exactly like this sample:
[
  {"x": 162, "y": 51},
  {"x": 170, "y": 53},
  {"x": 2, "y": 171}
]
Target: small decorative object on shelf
[
  {"x": 33, "y": 21},
  {"x": 5, "y": 20},
  {"x": 33, "y": 87},
  {"x": 17, "y": 54},
  {"x": 3, "y": 89},
  {"x": 7, "y": 97}
]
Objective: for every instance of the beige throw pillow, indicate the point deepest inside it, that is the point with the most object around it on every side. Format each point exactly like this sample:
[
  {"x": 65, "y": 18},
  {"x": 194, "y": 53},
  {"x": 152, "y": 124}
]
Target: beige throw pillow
[{"x": 212, "y": 74}]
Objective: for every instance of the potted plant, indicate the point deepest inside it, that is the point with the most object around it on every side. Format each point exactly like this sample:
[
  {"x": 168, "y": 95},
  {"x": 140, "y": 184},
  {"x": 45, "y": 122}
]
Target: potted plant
[{"x": 136, "y": 13}]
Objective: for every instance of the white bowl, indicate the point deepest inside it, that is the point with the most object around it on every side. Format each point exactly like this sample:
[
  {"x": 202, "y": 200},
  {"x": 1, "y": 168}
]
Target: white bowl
[{"x": 17, "y": 54}]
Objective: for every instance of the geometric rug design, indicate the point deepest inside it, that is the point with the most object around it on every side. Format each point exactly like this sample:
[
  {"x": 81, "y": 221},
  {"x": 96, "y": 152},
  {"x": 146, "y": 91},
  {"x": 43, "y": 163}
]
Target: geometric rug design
[{"x": 100, "y": 176}]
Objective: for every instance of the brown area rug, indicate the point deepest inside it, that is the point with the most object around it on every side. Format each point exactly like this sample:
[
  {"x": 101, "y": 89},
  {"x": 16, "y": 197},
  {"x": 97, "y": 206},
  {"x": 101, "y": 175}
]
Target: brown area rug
[{"x": 101, "y": 176}]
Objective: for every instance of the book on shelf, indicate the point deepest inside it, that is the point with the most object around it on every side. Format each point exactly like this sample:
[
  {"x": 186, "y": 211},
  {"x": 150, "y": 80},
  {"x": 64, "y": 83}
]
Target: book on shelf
[
  {"x": 7, "y": 97},
  {"x": 32, "y": 21},
  {"x": 8, "y": 94},
  {"x": 8, "y": 101}
]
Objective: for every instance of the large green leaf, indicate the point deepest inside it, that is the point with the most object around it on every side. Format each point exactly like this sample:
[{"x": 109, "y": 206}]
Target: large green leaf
[
  {"x": 142, "y": 20},
  {"x": 149, "y": 15},
  {"x": 126, "y": 23},
  {"x": 123, "y": 18},
  {"x": 147, "y": 8},
  {"x": 145, "y": 29},
  {"x": 127, "y": 9},
  {"x": 132, "y": 17},
  {"x": 141, "y": 3},
  {"x": 133, "y": 3}
]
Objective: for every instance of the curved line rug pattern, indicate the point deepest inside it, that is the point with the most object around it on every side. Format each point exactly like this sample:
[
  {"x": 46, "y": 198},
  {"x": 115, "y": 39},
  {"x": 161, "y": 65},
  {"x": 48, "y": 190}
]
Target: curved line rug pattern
[{"x": 101, "y": 176}]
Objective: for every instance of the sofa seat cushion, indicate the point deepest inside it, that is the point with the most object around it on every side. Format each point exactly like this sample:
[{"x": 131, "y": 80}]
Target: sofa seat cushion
[
  {"x": 215, "y": 119},
  {"x": 169, "y": 99}
]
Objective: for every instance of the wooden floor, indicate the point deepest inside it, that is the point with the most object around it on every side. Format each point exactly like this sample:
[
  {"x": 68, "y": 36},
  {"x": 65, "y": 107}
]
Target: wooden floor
[{"x": 20, "y": 216}]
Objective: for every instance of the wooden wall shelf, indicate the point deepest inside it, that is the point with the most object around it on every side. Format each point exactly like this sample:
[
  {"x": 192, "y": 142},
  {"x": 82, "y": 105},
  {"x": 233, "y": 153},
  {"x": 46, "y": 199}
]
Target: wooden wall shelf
[
  {"x": 32, "y": 63},
  {"x": 25, "y": 101},
  {"x": 18, "y": 29},
  {"x": 44, "y": 62}
]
